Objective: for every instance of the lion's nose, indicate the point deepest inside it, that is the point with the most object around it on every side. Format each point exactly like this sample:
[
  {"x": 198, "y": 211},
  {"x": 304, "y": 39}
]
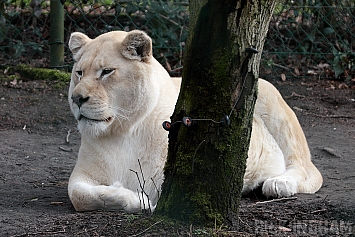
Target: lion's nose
[{"x": 79, "y": 99}]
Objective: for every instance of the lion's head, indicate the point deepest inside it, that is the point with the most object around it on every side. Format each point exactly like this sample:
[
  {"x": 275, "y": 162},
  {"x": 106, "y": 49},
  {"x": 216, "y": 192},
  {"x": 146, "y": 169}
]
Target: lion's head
[{"x": 112, "y": 84}]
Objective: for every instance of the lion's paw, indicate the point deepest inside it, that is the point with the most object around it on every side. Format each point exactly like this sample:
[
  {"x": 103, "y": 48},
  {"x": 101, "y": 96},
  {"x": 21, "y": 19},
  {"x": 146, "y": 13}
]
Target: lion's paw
[{"x": 279, "y": 187}]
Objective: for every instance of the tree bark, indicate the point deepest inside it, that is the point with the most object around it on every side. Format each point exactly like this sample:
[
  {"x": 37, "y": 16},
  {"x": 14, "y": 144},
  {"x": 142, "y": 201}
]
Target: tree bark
[{"x": 206, "y": 161}]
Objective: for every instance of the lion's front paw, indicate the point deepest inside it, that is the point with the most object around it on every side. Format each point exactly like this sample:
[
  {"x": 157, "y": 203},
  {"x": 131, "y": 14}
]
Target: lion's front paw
[{"x": 279, "y": 187}]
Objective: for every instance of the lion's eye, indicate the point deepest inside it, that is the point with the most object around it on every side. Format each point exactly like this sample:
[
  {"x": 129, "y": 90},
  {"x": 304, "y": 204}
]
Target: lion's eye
[
  {"x": 79, "y": 74},
  {"x": 106, "y": 72}
]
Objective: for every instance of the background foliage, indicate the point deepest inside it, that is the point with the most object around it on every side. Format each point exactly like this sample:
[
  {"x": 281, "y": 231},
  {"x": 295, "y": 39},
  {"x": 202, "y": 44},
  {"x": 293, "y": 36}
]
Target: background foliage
[{"x": 306, "y": 37}]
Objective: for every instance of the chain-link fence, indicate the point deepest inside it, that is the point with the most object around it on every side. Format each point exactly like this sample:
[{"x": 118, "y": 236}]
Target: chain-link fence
[
  {"x": 312, "y": 38},
  {"x": 306, "y": 38}
]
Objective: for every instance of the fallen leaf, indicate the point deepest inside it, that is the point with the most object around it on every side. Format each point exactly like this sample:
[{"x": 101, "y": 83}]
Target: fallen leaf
[
  {"x": 331, "y": 151},
  {"x": 56, "y": 203},
  {"x": 14, "y": 82},
  {"x": 323, "y": 65},
  {"x": 343, "y": 86},
  {"x": 297, "y": 71},
  {"x": 332, "y": 87},
  {"x": 297, "y": 109},
  {"x": 283, "y": 77},
  {"x": 284, "y": 229},
  {"x": 311, "y": 72}
]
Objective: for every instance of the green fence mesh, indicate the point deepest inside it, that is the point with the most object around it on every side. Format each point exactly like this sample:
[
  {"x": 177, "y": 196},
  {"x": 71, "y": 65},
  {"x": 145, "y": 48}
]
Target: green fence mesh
[
  {"x": 306, "y": 38},
  {"x": 312, "y": 38}
]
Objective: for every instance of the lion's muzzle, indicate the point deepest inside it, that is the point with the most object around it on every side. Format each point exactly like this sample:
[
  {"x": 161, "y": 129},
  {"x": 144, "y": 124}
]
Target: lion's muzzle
[{"x": 79, "y": 99}]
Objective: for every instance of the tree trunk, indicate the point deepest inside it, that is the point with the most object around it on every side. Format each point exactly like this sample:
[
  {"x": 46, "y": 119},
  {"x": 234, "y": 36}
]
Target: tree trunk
[{"x": 206, "y": 161}]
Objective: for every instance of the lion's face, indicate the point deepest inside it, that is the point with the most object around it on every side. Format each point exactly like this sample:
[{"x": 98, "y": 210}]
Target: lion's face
[{"x": 111, "y": 86}]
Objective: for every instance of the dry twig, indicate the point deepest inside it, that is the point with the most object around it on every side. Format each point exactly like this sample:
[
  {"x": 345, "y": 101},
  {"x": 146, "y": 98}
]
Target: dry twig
[
  {"x": 68, "y": 134},
  {"x": 277, "y": 200},
  {"x": 41, "y": 233},
  {"x": 143, "y": 192},
  {"x": 317, "y": 211},
  {"x": 65, "y": 149},
  {"x": 147, "y": 228},
  {"x": 294, "y": 94}
]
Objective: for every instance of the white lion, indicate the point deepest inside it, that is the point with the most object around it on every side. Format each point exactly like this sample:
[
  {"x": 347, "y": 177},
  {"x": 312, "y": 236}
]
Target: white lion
[{"x": 120, "y": 95}]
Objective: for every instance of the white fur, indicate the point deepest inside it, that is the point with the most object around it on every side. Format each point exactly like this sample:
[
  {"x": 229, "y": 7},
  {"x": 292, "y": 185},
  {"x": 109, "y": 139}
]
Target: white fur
[
  {"x": 278, "y": 155},
  {"x": 124, "y": 147},
  {"x": 139, "y": 96}
]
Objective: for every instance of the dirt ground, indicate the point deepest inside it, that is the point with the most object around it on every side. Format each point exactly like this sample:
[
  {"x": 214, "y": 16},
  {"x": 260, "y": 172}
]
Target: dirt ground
[{"x": 39, "y": 145}]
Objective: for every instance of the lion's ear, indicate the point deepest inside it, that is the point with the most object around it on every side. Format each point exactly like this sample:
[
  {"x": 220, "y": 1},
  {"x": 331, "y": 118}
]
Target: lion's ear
[
  {"x": 137, "y": 46},
  {"x": 77, "y": 41}
]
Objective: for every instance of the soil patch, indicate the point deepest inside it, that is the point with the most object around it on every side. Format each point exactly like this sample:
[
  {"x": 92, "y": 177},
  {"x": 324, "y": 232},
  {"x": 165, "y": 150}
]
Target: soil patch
[{"x": 39, "y": 143}]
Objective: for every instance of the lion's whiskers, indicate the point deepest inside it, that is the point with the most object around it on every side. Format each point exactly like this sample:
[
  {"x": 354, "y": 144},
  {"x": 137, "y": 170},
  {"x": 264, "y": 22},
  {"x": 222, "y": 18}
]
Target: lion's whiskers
[{"x": 120, "y": 113}]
